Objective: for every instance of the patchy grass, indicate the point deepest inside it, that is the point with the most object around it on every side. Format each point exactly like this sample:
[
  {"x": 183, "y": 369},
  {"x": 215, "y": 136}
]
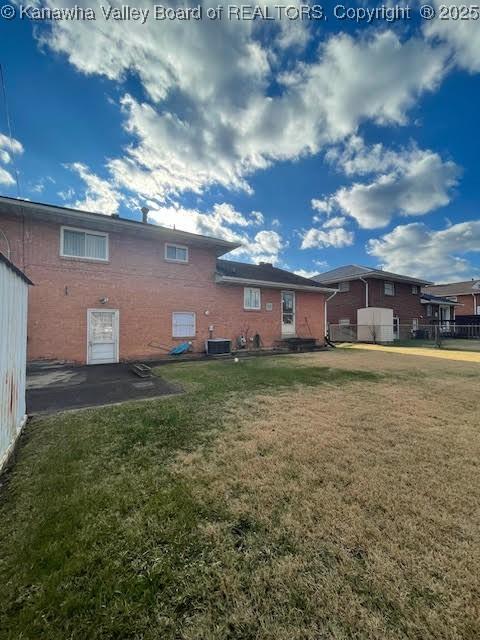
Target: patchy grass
[{"x": 316, "y": 496}]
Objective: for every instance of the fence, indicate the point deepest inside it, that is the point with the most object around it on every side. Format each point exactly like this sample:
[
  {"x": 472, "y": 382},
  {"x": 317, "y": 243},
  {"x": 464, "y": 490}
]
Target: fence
[
  {"x": 13, "y": 346},
  {"x": 447, "y": 335}
]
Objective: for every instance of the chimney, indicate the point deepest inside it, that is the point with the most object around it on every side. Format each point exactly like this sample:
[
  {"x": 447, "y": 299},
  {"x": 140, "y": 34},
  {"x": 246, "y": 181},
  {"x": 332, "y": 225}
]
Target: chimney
[{"x": 145, "y": 211}]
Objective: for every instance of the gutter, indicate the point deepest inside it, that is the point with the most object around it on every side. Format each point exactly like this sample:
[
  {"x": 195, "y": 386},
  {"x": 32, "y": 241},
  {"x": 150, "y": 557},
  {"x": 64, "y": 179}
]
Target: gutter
[
  {"x": 326, "y": 310},
  {"x": 272, "y": 285},
  {"x": 366, "y": 290}
]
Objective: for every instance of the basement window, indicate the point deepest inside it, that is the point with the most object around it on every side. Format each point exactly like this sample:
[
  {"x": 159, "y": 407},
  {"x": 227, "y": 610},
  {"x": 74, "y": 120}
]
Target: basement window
[
  {"x": 176, "y": 253},
  {"x": 344, "y": 321},
  {"x": 78, "y": 243},
  {"x": 251, "y": 298},
  {"x": 183, "y": 324}
]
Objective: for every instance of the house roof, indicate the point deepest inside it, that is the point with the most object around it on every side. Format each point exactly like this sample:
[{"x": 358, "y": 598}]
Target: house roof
[
  {"x": 355, "y": 271},
  {"x": 102, "y": 222},
  {"x": 15, "y": 269},
  {"x": 264, "y": 274},
  {"x": 455, "y": 288},
  {"x": 432, "y": 299}
]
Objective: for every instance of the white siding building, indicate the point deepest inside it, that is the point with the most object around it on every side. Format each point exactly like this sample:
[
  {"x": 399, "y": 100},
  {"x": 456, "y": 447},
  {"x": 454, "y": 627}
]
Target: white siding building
[{"x": 13, "y": 354}]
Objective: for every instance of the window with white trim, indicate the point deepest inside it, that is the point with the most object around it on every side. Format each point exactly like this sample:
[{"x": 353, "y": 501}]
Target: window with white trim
[
  {"x": 414, "y": 288},
  {"x": 176, "y": 253},
  {"x": 344, "y": 321},
  {"x": 389, "y": 288},
  {"x": 415, "y": 324},
  {"x": 251, "y": 298},
  {"x": 344, "y": 286},
  {"x": 183, "y": 324},
  {"x": 79, "y": 243}
]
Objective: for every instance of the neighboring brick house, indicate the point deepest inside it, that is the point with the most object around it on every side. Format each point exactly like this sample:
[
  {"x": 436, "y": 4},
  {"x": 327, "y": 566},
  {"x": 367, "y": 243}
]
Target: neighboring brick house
[
  {"x": 360, "y": 287},
  {"x": 466, "y": 293},
  {"x": 109, "y": 289}
]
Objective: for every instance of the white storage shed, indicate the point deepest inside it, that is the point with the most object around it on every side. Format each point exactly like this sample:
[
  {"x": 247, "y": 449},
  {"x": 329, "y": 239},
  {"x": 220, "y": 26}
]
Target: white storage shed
[
  {"x": 13, "y": 354},
  {"x": 374, "y": 324}
]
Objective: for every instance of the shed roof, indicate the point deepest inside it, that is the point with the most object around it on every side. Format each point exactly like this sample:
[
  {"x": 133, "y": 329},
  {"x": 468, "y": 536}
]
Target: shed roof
[{"x": 15, "y": 269}]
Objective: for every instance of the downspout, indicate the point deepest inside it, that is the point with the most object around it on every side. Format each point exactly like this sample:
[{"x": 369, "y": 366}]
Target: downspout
[
  {"x": 366, "y": 291},
  {"x": 326, "y": 316}
]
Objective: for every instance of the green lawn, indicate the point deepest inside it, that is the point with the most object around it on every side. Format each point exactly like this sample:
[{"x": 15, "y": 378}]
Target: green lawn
[{"x": 262, "y": 503}]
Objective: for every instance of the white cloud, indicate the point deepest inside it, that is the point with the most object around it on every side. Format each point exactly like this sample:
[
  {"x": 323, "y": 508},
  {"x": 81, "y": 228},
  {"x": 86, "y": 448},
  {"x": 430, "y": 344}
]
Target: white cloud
[
  {"x": 6, "y": 177},
  {"x": 305, "y": 273},
  {"x": 258, "y": 217},
  {"x": 412, "y": 182},
  {"x": 208, "y": 117},
  {"x": 317, "y": 238},
  {"x": 440, "y": 255},
  {"x": 336, "y": 221},
  {"x": 265, "y": 247},
  {"x": 8, "y": 146},
  {"x": 461, "y": 34},
  {"x": 100, "y": 196}
]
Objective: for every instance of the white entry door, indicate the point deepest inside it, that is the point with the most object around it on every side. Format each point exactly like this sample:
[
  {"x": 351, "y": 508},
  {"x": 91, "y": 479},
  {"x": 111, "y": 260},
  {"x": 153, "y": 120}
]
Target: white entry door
[
  {"x": 288, "y": 313},
  {"x": 102, "y": 336},
  {"x": 396, "y": 328}
]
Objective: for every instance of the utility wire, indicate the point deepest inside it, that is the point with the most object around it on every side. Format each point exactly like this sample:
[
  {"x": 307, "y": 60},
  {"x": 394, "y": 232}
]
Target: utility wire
[{"x": 9, "y": 129}]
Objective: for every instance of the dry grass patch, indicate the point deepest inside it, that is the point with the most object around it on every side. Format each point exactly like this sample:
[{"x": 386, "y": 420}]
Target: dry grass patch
[{"x": 352, "y": 513}]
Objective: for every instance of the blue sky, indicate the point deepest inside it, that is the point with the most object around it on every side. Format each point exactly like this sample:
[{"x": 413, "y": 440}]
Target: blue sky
[{"x": 314, "y": 143}]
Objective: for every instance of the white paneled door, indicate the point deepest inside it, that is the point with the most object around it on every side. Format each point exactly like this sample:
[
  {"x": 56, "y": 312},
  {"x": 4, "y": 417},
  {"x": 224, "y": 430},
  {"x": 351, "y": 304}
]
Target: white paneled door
[{"x": 102, "y": 346}]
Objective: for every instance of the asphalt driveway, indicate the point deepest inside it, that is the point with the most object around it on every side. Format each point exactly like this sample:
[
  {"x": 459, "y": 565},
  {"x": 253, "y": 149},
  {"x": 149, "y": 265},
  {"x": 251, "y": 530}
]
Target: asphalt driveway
[{"x": 52, "y": 388}]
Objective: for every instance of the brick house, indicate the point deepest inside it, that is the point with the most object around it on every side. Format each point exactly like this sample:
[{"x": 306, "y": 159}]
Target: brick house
[
  {"x": 360, "y": 287},
  {"x": 110, "y": 289},
  {"x": 466, "y": 293}
]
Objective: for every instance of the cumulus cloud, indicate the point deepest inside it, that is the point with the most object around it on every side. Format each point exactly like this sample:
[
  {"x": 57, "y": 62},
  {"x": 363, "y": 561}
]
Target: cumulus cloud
[
  {"x": 208, "y": 115},
  {"x": 460, "y": 34},
  {"x": 100, "y": 196},
  {"x": 440, "y": 255},
  {"x": 8, "y": 147},
  {"x": 412, "y": 182},
  {"x": 305, "y": 273},
  {"x": 318, "y": 238}
]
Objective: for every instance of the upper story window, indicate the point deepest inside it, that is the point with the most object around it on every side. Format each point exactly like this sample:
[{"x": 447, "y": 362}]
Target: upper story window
[
  {"x": 251, "y": 298},
  {"x": 79, "y": 243},
  {"x": 414, "y": 288},
  {"x": 176, "y": 253},
  {"x": 389, "y": 288},
  {"x": 344, "y": 286}
]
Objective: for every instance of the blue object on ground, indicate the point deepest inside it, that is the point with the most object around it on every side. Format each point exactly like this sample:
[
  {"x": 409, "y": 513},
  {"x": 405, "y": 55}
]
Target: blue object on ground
[{"x": 183, "y": 347}]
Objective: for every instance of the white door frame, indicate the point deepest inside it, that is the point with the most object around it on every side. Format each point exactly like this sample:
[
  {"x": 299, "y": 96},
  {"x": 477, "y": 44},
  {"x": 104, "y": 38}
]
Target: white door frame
[
  {"x": 116, "y": 328},
  {"x": 396, "y": 322},
  {"x": 294, "y": 325}
]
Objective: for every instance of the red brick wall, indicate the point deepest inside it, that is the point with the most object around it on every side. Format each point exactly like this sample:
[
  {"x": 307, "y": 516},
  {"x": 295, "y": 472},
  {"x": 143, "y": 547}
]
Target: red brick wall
[
  {"x": 468, "y": 308},
  {"x": 144, "y": 288},
  {"x": 404, "y": 303}
]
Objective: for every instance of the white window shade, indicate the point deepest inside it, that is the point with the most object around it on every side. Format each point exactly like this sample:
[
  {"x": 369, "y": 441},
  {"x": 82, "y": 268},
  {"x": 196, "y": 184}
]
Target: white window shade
[
  {"x": 183, "y": 324},
  {"x": 251, "y": 298},
  {"x": 76, "y": 243}
]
